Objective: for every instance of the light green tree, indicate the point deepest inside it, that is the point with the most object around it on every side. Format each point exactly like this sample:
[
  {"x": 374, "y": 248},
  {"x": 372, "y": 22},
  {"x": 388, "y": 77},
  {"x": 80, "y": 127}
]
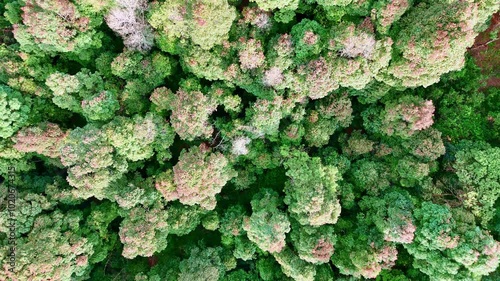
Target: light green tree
[
  {"x": 205, "y": 22},
  {"x": 311, "y": 192}
]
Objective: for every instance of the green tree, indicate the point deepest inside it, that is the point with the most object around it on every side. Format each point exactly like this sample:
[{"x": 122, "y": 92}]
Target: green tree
[
  {"x": 14, "y": 109},
  {"x": 198, "y": 176},
  {"x": 313, "y": 244},
  {"x": 386, "y": 13},
  {"x": 430, "y": 44},
  {"x": 448, "y": 249},
  {"x": 311, "y": 192},
  {"x": 136, "y": 138},
  {"x": 53, "y": 27},
  {"x": 190, "y": 113},
  {"x": 142, "y": 74},
  {"x": 392, "y": 215},
  {"x": 292, "y": 266},
  {"x": 64, "y": 255},
  {"x": 92, "y": 162},
  {"x": 267, "y": 226},
  {"x": 144, "y": 231},
  {"x": 402, "y": 117},
  {"x": 202, "y": 264},
  {"x": 205, "y": 23},
  {"x": 477, "y": 166},
  {"x": 85, "y": 93}
]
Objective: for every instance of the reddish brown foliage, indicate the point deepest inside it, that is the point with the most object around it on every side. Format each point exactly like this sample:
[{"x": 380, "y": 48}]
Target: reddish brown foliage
[
  {"x": 44, "y": 139},
  {"x": 486, "y": 52}
]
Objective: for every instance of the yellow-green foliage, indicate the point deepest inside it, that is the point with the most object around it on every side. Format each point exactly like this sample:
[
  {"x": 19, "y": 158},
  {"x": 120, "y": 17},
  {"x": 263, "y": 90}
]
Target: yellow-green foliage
[{"x": 205, "y": 22}]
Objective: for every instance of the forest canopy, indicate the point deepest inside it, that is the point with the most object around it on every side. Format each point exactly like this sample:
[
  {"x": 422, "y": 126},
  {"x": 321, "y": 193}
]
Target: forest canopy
[{"x": 245, "y": 140}]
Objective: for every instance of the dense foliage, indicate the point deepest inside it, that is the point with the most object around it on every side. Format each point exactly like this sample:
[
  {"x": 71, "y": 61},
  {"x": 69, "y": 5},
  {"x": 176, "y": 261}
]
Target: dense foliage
[{"x": 237, "y": 140}]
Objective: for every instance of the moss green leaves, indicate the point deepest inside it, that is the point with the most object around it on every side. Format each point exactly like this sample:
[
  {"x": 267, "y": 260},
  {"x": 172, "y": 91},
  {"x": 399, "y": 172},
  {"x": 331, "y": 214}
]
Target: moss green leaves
[{"x": 14, "y": 111}]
